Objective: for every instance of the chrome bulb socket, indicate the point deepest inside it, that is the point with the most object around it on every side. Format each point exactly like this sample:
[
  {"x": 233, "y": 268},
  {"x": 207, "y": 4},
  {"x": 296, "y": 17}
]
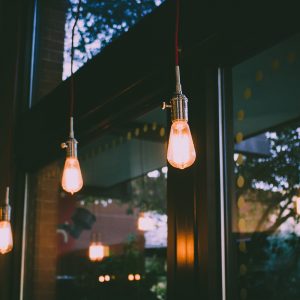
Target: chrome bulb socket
[
  {"x": 179, "y": 107},
  {"x": 179, "y": 102},
  {"x": 71, "y": 147},
  {"x": 5, "y": 213}
]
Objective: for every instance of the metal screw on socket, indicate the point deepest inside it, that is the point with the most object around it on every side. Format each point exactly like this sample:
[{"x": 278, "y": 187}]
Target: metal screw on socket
[{"x": 165, "y": 105}]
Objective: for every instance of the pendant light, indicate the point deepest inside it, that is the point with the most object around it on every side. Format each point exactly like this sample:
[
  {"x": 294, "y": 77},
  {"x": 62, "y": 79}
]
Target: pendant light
[
  {"x": 6, "y": 239},
  {"x": 181, "y": 151},
  {"x": 72, "y": 180},
  {"x": 6, "y": 236},
  {"x": 96, "y": 249}
]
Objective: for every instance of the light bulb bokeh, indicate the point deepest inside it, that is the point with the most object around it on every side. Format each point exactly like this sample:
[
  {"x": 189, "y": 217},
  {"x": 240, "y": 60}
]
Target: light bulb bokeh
[
  {"x": 6, "y": 239},
  {"x": 181, "y": 151},
  {"x": 96, "y": 251},
  {"x": 72, "y": 181}
]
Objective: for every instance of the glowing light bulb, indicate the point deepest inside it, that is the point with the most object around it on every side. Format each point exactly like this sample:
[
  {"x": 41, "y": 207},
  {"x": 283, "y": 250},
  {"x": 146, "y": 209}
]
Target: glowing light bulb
[
  {"x": 6, "y": 240},
  {"x": 181, "y": 151},
  {"x": 137, "y": 277},
  {"x": 72, "y": 179},
  {"x": 96, "y": 251},
  {"x": 130, "y": 277}
]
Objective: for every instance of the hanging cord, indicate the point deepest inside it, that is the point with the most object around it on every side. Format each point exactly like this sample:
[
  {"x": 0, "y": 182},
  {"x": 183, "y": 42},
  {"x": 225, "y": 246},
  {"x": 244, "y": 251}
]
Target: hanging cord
[
  {"x": 176, "y": 38},
  {"x": 177, "y": 33},
  {"x": 72, "y": 79},
  {"x": 10, "y": 150}
]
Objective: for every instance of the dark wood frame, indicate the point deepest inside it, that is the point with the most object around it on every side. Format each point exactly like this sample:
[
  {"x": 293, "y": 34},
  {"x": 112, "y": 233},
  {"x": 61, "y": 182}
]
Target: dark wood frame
[
  {"x": 16, "y": 33},
  {"x": 213, "y": 35}
]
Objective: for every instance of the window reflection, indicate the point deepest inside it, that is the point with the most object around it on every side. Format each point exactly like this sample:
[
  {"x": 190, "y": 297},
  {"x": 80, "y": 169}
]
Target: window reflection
[
  {"x": 108, "y": 240},
  {"x": 265, "y": 222}
]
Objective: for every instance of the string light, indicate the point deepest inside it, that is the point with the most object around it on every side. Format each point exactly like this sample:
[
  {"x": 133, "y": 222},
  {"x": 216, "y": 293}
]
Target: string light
[
  {"x": 130, "y": 277},
  {"x": 103, "y": 278},
  {"x": 137, "y": 277}
]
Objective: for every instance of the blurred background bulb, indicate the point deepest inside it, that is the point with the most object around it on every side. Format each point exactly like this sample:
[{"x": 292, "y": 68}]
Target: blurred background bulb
[
  {"x": 6, "y": 240},
  {"x": 72, "y": 179},
  {"x": 181, "y": 151},
  {"x": 96, "y": 251}
]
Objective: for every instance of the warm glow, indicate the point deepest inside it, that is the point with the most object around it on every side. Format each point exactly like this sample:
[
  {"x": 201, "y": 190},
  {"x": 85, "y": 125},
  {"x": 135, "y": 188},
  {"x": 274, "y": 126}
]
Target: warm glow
[
  {"x": 298, "y": 205},
  {"x": 145, "y": 223},
  {"x": 6, "y": 240},
  {"x": 106, "y": 251},
  {"x": 101, "y": 278},
  {"x": 181, "y": 150},
  {"x": 185, "y": 244},
  {"x": 107, "y": 278},
  {"x": 130, "y": 277},
  {"x": 137, "y": 277},
  {"x": 96, "y": 252},
  {"x": 72, "y": 179}
]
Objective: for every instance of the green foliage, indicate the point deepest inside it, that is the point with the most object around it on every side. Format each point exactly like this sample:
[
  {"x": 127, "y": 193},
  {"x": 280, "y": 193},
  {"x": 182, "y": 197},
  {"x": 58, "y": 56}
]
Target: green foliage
[
  {"x": 106, "y": 20},
  {"x": 276, "y": 175},
  {"x": 149, "y": 194},
  {"x": 272, "y": 255}
]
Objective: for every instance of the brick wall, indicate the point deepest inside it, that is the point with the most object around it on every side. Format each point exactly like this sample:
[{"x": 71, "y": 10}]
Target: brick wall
[
  {"x": 50, "y": 46},
  {"x": 46, "y": 219}
]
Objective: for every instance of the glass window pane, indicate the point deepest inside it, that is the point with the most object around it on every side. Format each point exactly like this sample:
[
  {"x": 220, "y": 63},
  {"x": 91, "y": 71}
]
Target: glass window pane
[
  {"x": 100, "y": 22},
  {"x": 266, "y": 206},
  {"x": 108, "y": 240}
]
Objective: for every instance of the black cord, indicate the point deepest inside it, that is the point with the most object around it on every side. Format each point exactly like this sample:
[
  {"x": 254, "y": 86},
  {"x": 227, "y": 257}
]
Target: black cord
[
  {"x": 177, "y": 19},
  {"x": 72, "y": 58}
]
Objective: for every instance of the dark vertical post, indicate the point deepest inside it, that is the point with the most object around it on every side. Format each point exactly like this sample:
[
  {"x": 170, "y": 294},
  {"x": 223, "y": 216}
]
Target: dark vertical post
[
  {"x": 225, "y": 88},
  {"x": 13, "y": 53},
  {"x": 9, "y": 28},
  {"x": 194, "y": 197}
]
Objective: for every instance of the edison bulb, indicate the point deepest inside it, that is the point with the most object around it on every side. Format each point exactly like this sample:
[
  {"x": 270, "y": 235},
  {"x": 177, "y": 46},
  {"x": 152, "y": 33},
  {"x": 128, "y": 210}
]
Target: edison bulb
[
  {"x": 6, "y": 239},
  {"x": 181, "y": 151},
  {"x": 72, "y": 179},
  {"x": 96, "y": 251}
]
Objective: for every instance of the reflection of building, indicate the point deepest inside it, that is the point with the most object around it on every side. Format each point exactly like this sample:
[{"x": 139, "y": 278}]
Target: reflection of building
[{"x": 113, "y": 224}]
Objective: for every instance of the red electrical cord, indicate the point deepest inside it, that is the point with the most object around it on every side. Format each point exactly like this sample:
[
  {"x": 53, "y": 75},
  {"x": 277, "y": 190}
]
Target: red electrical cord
[{"x": 177, "y": 33}]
